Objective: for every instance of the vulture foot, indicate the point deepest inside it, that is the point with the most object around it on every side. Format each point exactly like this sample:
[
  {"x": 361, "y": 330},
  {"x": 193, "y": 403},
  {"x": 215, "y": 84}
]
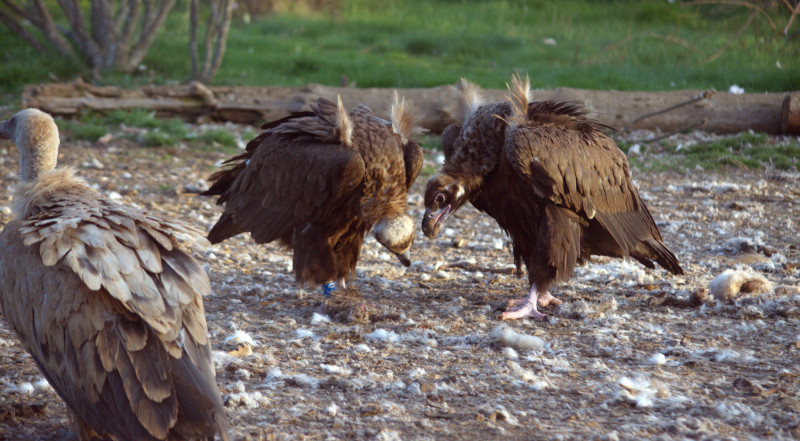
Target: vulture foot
[
  {"x": 547, "y": 299},
  {"x": 527, "y": 307}
]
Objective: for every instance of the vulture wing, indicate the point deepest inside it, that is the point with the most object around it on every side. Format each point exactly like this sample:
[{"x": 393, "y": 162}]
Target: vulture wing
[
  {"x": 580, "y": 168},
  {"x": 110, "y": 309},
  {"x": 413, "y": 157},
  {"x": 287, "y": 183}
]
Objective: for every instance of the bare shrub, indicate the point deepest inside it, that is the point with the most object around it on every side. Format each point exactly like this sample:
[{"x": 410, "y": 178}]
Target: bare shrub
[
  {"x": 770, "y": 18},
  {"x": 218, "y": 23},
  {"x": 108, "y": 35}
]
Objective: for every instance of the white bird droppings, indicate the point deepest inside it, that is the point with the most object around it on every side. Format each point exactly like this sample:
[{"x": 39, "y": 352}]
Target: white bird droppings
[
  {"x": 319, "y": 319},
  {"x": 240, "y": 337},
  {"x": 383, "y": 335},
  {"x": 508, "y": 337},
  {"x": 303, "y": 333},
  {"x": 510, "y": 353}
]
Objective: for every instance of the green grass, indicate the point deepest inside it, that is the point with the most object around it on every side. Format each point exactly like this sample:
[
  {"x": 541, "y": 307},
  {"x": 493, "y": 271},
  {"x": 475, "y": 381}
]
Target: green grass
[
  {"x": 647, "y": 45},
  {"x": 624, "y": 45},
  {"x": 155, "y": 132},
  {"x": 743, "y": 151}
]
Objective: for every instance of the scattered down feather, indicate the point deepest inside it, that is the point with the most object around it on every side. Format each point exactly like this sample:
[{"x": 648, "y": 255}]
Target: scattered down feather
[{"x": 106, "y": 301}]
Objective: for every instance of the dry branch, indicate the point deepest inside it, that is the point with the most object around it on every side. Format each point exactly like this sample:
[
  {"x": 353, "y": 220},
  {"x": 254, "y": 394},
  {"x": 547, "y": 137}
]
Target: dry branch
[{"x": 107, "y": 35}]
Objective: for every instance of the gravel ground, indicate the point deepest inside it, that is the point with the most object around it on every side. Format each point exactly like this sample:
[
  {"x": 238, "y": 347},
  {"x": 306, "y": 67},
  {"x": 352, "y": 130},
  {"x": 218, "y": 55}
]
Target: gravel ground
[{"x": 420, "y": 353}]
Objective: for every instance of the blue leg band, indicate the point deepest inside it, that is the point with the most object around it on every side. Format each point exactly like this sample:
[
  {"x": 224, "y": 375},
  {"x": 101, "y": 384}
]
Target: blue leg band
[{"x": 328, "y": 288}]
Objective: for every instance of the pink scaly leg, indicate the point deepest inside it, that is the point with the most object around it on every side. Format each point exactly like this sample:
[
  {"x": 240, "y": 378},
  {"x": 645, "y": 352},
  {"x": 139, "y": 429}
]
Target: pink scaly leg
[
  {"x": 545, "y": 299},
  {"x": 527, "y": 307}
]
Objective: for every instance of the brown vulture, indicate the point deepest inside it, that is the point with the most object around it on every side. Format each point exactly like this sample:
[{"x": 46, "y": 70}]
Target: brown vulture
[
  {"x": 317, "y": 181},
  {"x": 551, "y": 179},
  {"x": 105, "y": 301}
]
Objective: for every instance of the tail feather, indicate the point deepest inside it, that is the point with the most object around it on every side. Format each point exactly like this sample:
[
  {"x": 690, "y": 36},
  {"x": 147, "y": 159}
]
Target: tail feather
[
  {"x": 221, "y": 180},
  {"x": 665, "y": 257},
  {"x": 223, "y": 229},
  {"x": 201, "y": 413}
]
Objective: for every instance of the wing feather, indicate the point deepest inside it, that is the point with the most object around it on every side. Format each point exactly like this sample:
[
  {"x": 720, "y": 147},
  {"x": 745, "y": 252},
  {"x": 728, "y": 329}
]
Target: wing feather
[
  {"x": 279, "y": 195},
  {"x": 579, "y": 168}
]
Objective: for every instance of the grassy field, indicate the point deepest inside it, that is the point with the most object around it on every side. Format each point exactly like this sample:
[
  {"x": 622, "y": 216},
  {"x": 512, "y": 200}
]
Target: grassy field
[{"x": 626, "y": 45}]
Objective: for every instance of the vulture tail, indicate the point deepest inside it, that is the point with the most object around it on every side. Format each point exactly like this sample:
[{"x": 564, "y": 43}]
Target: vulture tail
[
  {"x": 223, "y": 229},
  {"x": 221, "y": 180},
  {"x": 201, "y": 412},
  {"x": 664, "y": 257}
]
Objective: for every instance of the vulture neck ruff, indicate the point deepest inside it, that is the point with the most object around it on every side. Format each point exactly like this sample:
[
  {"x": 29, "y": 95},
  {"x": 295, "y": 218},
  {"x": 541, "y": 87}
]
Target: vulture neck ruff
[{"x": 29, "y": 194}]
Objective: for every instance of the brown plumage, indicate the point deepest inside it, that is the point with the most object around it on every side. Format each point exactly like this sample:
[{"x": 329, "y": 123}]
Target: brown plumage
[
  {"x": 106, "y": 302},
  {"x": 318, "y": 181},
  {"x": 553, "y": 181}
]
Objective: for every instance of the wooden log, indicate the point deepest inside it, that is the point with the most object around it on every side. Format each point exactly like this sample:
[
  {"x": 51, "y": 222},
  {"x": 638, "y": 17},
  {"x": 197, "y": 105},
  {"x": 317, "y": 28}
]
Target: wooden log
[
  {"x": 790, "y": 115},
  {"x": 719, "y": 112}
]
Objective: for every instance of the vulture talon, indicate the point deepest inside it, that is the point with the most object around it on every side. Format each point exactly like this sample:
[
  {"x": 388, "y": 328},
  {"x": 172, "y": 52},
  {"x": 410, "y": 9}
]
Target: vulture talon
[
  {"x": 547, "y": 299},
  {"x": 527, "y": 309}
]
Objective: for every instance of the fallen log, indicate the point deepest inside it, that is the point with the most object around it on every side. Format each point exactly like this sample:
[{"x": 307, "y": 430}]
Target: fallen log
[{"x": 718, "y": 112}]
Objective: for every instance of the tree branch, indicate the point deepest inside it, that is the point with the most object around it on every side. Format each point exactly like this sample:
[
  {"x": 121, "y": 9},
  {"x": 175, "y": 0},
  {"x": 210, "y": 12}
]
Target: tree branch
[
  {"x": 212, "y": 18},
  {"x": 15, "y": 27},
  {"x": 149, "y": 33},
  {"x": 103, "y": 30},
  {"x": 193, "y": 12},
  {"x": 51, "y": 33},
  {"x": 735, "y": 37},
  {"x": 791, "y": 19},
  {"x": 222, "y": 37},
  {"x": 755, "y": 8}
]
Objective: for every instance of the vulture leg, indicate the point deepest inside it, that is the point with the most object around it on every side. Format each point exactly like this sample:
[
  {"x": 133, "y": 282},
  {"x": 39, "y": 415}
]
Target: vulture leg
[
  {"x": 545, "y": 299},
  {"x": 528, "y": 307},
  {"x": 330, "y": 286}
]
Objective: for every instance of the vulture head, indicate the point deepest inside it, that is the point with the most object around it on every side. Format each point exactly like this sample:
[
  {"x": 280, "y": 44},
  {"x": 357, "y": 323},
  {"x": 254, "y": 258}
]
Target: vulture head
[
  {"x": 36, "y": 136},
  {"x": 397, "y": 235},
  {"x": 448, "y": 190},
  {"x": 444, "y": 194}
]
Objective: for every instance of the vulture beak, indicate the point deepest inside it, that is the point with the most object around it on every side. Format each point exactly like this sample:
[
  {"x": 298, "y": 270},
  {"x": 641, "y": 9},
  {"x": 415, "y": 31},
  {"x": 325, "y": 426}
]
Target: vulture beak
[
  {"x": 432, "y": 221},
  {"x": 405, "y": 258},
  {"x": 4, "y": 133}
]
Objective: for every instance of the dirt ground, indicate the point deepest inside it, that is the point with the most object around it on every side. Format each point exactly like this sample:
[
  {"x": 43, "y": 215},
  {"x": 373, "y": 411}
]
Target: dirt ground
[{"x": 631, "y": 353}]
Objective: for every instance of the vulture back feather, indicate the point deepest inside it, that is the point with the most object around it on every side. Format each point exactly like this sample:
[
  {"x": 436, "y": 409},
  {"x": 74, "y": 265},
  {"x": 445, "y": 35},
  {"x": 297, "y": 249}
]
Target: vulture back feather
[
  {"x": 107, "y": 303},
  {"x": 317, "y": 181}
]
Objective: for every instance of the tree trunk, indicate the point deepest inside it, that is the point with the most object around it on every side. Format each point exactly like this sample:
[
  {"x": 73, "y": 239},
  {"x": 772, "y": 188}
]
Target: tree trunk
[{"x": 719, "y": 112}]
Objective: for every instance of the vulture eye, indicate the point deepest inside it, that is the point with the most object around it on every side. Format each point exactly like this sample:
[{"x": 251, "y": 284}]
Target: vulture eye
[{"x": 439, "y": 199}]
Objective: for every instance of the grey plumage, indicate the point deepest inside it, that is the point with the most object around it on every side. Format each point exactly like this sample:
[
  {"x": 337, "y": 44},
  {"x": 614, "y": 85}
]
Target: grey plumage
[{"x": 106, "y": 301}]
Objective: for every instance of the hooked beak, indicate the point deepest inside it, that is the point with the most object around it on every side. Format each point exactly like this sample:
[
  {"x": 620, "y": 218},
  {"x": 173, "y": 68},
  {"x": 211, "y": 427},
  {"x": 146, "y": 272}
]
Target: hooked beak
[
  {"x": 405, "y": 258},
  {"x": 4, "y": 130},
  {"x": 432, "y": 221}
]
